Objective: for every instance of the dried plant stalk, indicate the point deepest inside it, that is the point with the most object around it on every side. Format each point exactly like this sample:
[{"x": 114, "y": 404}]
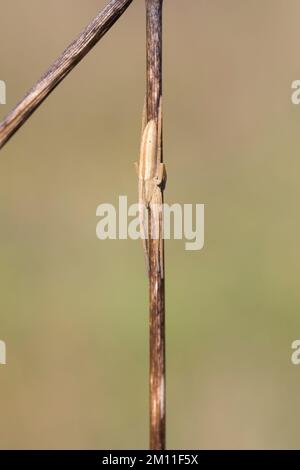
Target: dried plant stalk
[
  {"x": 156, "y": 246},
  {"x": 62, "y": 67}
]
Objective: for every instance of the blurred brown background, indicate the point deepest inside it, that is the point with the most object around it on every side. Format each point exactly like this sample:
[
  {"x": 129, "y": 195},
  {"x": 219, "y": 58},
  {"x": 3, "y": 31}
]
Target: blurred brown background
[{"x": 73, "y": 309}]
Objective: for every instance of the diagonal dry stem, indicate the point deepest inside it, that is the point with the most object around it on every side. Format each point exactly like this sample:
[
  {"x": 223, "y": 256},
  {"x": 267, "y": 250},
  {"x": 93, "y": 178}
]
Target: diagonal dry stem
[{"x": 62, "y": 67}]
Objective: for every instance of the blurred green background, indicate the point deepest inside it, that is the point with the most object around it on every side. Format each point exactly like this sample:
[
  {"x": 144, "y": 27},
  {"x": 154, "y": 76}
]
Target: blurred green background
[{"x": 73, "y": 309}]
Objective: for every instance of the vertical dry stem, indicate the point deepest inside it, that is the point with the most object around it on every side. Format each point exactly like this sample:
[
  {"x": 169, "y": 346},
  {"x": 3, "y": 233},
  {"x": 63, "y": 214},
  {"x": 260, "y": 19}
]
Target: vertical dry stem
[{"x": 156, "y": 247}]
